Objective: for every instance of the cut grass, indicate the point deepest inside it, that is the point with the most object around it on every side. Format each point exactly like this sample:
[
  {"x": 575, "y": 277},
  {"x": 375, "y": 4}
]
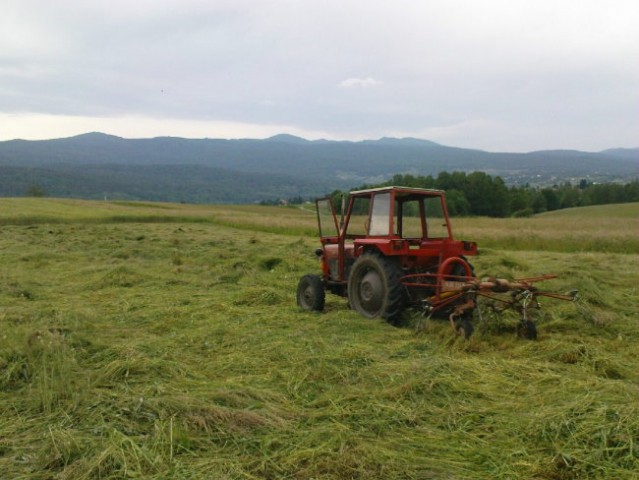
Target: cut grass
[{"x": 175, "y": 350}]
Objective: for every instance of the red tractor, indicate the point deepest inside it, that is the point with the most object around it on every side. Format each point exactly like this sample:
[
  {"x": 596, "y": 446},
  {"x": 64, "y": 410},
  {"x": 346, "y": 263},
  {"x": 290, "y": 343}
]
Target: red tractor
[{"x": 391, "y": 248}]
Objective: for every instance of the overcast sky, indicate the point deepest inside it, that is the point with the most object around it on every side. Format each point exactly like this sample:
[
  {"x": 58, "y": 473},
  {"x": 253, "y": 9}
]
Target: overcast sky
[{"x": 499, "y": 75}]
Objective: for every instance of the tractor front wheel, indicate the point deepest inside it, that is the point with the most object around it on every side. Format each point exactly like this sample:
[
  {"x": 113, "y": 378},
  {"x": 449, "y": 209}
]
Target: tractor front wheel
[
  {"x": 374, "y": 287},
  {"x": 310, "y": 293}
]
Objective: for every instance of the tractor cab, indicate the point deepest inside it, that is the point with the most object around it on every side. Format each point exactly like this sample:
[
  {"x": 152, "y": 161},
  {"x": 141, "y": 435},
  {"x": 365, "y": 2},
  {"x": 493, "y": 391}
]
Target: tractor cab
[
  {"x": 408, "y": 224},
  {"x": 392, "y": 211}
]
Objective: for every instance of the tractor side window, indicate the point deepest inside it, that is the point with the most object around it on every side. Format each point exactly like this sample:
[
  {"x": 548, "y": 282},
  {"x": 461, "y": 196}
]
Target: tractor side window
[
  {"x": 358, "y": 222},
  {"x": 326, "y": 218},
  {"x": 436, "y": 226},
  {"x": 411, "y": 220},
  {"x": 380, "y": 214}
]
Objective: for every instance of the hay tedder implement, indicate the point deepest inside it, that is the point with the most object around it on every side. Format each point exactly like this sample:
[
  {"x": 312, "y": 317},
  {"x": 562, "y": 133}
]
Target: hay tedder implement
[
  {"x": 460, "y": 295},
  {"x": 393, "y": 248}
]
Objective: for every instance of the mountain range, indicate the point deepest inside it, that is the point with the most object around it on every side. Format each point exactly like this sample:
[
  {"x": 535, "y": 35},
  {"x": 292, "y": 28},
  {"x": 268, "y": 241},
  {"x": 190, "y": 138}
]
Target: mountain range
[{"x": 96, "y": 165}]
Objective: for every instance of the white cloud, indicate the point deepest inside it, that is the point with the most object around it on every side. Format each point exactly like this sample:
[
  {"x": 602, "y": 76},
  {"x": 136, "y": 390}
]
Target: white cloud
[{"x": 359, "y": 82}]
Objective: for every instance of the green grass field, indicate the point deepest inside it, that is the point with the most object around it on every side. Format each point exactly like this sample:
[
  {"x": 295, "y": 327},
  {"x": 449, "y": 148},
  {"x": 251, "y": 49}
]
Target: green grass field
[{"x": 163, "y": 341}]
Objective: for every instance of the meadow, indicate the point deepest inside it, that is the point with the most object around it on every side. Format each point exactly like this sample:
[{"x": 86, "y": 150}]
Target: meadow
[{"x": 149, "y": 340}]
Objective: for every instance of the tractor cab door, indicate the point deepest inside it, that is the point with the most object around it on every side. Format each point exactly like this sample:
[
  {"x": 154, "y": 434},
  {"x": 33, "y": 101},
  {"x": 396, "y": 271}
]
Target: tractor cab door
[
  {"x": 327, "y": 219},
  {"x": 329, "y": 237}
]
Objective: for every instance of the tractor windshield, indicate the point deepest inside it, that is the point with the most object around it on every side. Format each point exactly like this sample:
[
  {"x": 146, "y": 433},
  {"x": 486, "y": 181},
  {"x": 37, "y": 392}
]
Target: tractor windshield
[{"x": 380, "y": 214}]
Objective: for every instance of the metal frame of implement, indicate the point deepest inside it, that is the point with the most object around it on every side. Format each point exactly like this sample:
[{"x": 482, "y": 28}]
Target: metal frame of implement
[{"x": 518, "y": 294}]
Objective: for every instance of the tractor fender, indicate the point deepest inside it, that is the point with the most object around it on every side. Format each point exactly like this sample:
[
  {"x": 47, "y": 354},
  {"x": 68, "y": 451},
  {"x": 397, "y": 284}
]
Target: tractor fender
[
  {"x": 362, "y": 249},
  {"x": 369, "y": 245}
]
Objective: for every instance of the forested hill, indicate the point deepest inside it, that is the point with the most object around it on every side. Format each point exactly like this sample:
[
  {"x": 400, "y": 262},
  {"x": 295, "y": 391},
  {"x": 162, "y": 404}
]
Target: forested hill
[{"x": 96, "y": 165}]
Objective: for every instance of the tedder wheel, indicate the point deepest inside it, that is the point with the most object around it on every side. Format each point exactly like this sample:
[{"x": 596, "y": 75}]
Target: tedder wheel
[
  {"x": 460, "y": 270},
  {"x": 527, "y": 329},
  {"x": 310, "y": 293},
  {"x": 374, "y": 287},
  {"x": 465, "y": 328}
]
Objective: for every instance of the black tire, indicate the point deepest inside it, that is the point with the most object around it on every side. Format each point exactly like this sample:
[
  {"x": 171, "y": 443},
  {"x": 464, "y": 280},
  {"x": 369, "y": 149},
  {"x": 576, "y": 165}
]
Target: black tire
[
  {"x": 472, "y": 267},
  {"x": 310, "y": 293},
  {"x": 459, "y": 270},
  {"x": 374, "y": 287},
  {"x": 465, "y": 328},
  {"x": 527, "y": 329}
]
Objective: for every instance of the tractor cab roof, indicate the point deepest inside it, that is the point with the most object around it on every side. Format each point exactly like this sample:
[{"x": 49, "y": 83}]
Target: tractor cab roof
[{"x": 426, "y": 192}]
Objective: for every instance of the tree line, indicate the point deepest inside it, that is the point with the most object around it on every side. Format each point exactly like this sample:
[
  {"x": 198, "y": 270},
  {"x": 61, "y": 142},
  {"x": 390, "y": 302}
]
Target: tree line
[{"x": 478, "y": 193}]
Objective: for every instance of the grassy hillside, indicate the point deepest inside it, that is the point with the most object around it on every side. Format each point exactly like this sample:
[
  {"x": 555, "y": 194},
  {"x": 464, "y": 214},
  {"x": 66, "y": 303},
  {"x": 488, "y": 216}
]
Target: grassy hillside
[
  {"x": 163, "y": 341},
  {"x": 602, "y": 228}
]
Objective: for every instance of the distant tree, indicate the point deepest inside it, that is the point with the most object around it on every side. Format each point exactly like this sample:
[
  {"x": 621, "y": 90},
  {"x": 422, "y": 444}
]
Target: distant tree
[
  {"x": 452, "y": 181},
  {"x": 487, "y": 195},
  {"x": 631, "y": 191},
  {"x": 538, "y": 203},
  {"x": 408, "y": 180},
  {"x": 552, "y": 199},
  {"x": 445, "y": 181},
  {"x": 404, "y": 180},
  {"x": 481, "y": 194},
  {"x": 569, "y": 196},
  {"x": 457, "y": 203},
  {"x": 603, "y": 193},
  {"x": 520, "y": 201},
  {"x": 35, "y": 190}
]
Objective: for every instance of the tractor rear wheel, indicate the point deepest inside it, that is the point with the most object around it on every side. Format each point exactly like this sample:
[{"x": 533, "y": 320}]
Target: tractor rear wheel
[
  {"x": 310, "y": 293},
  {"x": 374, "y": 287}
]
